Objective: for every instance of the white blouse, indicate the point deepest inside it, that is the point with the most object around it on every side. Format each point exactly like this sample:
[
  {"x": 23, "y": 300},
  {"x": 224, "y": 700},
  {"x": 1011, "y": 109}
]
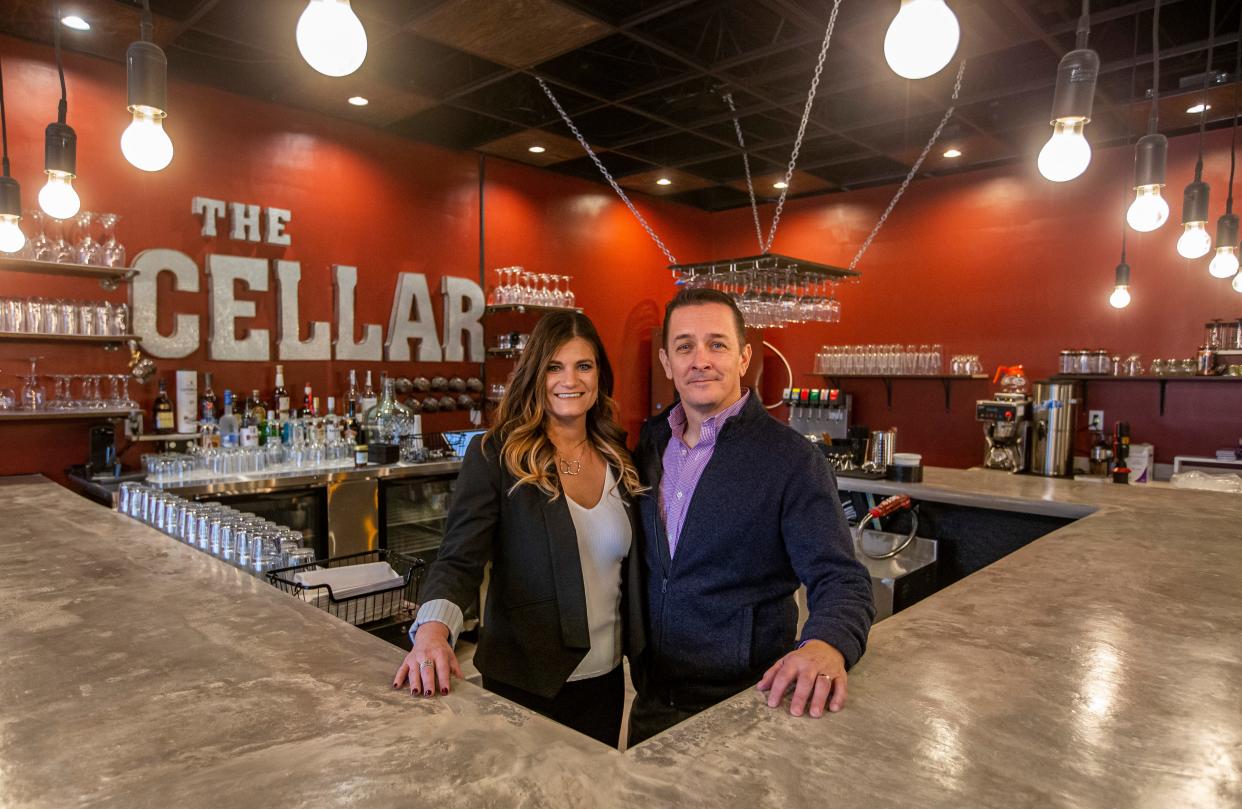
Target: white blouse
[{"x": 604, "y": 538}]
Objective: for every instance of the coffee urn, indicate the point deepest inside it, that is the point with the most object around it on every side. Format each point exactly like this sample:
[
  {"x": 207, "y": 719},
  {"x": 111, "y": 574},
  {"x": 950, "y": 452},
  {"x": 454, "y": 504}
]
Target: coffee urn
[{"x": 1055, "y": 420}]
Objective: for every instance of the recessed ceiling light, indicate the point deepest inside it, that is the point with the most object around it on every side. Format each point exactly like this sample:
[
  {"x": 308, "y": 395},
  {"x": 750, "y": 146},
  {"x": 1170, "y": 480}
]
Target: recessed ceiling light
[
  {"x": 952, "y": 152},
  {"x": 75, "y": 22},
  {"x": 780, "y": 184},
  {"x": 1198, "y": 108},
  {"x": 536, "y": 150},
  {"x": 359, "y": 101},
  {"x": 664, "y": 181}
]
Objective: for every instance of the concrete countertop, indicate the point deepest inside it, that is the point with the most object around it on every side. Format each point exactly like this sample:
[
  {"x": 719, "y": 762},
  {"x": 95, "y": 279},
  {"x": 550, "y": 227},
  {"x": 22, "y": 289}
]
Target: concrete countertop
[{"x": 1100, "y": 666}]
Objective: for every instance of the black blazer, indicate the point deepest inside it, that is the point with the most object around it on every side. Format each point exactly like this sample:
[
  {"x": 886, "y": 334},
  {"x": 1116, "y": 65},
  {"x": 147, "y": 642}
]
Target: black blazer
[{"x": 534, "y": 622}]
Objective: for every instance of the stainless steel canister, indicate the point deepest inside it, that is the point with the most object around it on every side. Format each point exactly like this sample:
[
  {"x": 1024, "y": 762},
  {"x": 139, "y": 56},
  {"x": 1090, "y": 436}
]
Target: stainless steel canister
[
  {"x": 1055, "y": 406},
  {"x": 883, "y": 442}
]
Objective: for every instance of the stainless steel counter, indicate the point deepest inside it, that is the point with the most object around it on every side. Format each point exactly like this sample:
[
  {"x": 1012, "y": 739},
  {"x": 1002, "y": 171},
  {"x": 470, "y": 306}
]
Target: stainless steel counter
[
  {"x": 1100, "y": 666},
  {"x": 269, "y": 482}
]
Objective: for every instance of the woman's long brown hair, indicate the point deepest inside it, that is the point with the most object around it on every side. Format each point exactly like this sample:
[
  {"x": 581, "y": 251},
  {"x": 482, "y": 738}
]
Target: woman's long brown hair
[{"x": 519, "y": 431}]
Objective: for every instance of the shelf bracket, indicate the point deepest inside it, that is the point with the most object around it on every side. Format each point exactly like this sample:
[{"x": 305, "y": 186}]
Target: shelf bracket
[
  {"x": 888, "y": 389},
  {"x": 948, "y": 394},
  {"x": 1163, "y": 384}
]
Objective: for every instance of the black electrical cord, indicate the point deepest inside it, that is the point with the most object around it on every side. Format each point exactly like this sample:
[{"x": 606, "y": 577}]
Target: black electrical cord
[
  {"x": 1207, "y": 76},
  {"x": 4, "y": 129},
  {"x": 1233, "y": 141},
  {"x": 1153, "y": 120},
  {"x": 1084, "y": 24},
  {"x": 147, "y": 26},
  {"x": 1129, "y": 131},
  {"x": 63, "y": 108}
]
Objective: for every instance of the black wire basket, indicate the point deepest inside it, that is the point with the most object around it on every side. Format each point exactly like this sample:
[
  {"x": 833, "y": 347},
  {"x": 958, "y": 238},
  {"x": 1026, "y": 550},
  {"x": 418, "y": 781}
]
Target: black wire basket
[{"x": 372, "y": 608}]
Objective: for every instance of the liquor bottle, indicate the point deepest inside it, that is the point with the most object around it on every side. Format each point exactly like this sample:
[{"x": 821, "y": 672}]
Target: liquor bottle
[
  {"x": 332, "y": 424},
  {"x": 248, "y": 436},
  {"x": 258, "y": 409},
  {"x": 351, "y": 396},
  {"x": 308, "y": 402},
  {"x": 208, "y": 407},
  {"x": 271, "y": 429},
  {"x": 369, "y": 398},
  {"x": 165, "y": 421},
  {"x": 228, "y": 422},
  {"x": 280, "y": 394}
]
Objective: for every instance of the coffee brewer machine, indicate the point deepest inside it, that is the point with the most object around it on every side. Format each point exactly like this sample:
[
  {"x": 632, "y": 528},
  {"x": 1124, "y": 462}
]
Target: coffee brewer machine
[
  {"x": 1007, "y": 430},
  {"x": 820, "y": 412}
]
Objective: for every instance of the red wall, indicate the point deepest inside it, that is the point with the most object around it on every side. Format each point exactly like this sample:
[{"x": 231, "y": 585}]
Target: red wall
[
  {"x": 358, "y": 197},
  {"x": 1004, "y": 264}
]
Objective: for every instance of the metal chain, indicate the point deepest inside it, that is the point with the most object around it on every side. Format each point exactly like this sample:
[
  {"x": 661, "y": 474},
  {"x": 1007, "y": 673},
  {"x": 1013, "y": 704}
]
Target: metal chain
[
  {"x": 957, "y": 87},
  {"x": 607, "y": 176},
  {"x": 750, "y": 185},
  {"x": 806, "y": 115}
]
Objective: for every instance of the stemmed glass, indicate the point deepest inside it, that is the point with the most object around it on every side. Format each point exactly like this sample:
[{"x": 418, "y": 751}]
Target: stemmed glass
[
  {"x": 61, "y": 250},
  {"x": 87, "y": 251},
  {"x": 113, "y": 251},
  {"x": 568, "y": 296},
  {"x": 499, "y": 292},
  {"x": 32, "y": 393},
  {"x": 555, "y": 296},
  {"x": 39, "y": 246}
]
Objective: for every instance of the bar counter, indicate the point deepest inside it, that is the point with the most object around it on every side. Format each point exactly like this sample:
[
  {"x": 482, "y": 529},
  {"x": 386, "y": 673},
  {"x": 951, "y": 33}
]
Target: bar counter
[{"x": 1099, "y": 666}]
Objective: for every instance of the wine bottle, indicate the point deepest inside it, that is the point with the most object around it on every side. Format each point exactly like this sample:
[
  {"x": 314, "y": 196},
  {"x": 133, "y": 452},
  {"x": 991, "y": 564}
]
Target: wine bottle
[
  {"x": 207, "y": 404},
  {"x": 280, "y": 394}
]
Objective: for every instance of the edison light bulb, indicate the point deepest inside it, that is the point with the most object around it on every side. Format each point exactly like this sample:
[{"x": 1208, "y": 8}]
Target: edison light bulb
[
  {"x": 921, "y": 39},
  {"x": 58, "y": 199},
  {"x": 1120, "y": 298},
  {"x": 1195, "y": 241},
  {"x": 331, "y": 37},
  {"x": 1067, "y": 153},
  {"x": 1149, "y": 210},
  {"x": 1225, "y": 263},
  {"x": 144, "y": 143},
  {"x": 1237, "y": 283},
  {"x": 11, "y": 237}
]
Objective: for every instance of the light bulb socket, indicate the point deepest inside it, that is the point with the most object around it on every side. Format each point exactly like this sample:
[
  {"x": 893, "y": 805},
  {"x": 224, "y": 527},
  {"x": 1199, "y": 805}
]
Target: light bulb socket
[
  {"x": 147, "y": 68},
  {"x": 1075, "y": 91},
  {"x": 1150, "y": 156},
  {"x": 1123, "y": 275},
  {"x": 10, "y": 197},
  {"x": 1195, "y": 202},
  {"x": 60, "y": 148},
  {"x": 1227, "y": 231}
]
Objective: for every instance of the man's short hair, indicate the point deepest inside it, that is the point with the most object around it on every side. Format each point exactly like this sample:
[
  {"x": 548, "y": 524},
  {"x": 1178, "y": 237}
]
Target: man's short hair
[{"x": 698, "y": 296}]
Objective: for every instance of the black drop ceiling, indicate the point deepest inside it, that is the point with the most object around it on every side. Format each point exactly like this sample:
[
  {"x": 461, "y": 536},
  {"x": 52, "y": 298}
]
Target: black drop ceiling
[{"x": 645, "y": 80}]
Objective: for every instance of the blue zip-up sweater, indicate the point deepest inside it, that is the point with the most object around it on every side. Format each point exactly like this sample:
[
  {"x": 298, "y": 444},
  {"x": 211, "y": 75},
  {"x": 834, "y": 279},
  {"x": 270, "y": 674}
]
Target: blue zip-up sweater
[{"x": 765, "y": 515}]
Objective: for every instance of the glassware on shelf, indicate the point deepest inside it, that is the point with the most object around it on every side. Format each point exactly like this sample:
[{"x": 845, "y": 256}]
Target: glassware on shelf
[
  {"x": 61, "y": 250},
  {"x": 113, "y": 254},
  {"x": 32, "y": 393},
  {"x": 39, "y": 246},
  {"x": 87, "y": 250}
]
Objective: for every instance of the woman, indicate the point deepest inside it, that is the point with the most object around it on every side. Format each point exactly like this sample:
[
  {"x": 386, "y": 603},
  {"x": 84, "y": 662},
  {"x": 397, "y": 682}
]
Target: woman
[{"x": 545, "y": 496}]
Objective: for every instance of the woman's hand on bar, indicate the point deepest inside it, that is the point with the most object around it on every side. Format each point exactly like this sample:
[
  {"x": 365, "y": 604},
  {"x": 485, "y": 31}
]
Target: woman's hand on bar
[{"x": 431, "y": 662}]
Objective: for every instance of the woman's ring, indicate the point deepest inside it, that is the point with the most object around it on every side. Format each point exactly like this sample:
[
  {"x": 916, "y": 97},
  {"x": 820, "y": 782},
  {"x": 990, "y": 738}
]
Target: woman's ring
[{"x": 426, "y": 664}]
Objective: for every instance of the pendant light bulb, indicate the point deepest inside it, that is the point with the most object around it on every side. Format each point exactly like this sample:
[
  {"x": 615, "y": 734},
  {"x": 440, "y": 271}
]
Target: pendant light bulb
[
  {"x": 1120, "y": 298},
  {"x": 331, "y": 37},
  {"x": 58, "y": 199},
  {"x": 144, "y": 143},
  {"x": 921, "y": 39},
  {"x": 1149, "y": 210},
  {"x": 12, "y": 240},
  {"x": 1237, "y": 283},
  {"x": 1067, "y": 154},
  {"x": 1224, "y": 263},
  {"x": 1195, "y": 241}
]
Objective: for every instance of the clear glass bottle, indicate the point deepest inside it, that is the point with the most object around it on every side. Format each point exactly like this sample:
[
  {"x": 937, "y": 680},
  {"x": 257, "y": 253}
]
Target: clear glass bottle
[{"x": 387, "y": 413}]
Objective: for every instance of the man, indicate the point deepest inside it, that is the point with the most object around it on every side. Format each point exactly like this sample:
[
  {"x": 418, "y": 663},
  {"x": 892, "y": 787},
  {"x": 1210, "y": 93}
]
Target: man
[{"x": 741, "y": 508}]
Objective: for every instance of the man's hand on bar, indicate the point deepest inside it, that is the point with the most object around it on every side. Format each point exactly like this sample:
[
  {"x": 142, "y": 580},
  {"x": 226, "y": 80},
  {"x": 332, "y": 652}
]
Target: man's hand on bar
[
  {"x": 431, "y": 662},
  {"x": 816, "y": 671}
]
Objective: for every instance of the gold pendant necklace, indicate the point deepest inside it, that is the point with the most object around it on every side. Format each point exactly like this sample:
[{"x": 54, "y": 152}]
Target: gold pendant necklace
[{"x": 571, "y": 466}]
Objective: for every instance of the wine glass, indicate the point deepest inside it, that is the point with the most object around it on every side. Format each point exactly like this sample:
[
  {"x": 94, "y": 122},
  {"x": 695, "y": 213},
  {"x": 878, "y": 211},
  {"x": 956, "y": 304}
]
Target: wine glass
[
  {"x": 61, "y": 250},
  {"x": 39, "y": 246},
  {"x": 113, "y": 251},
  {"x": 87, "y": 250},
  {"x": 569, "y": 293},
  {"x": 497, "y": 296},
  {"x": 32, "y": 394}
]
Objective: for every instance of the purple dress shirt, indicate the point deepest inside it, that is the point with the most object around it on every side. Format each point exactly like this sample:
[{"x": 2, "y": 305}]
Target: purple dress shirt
[{"x": 684, "y": 465}]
